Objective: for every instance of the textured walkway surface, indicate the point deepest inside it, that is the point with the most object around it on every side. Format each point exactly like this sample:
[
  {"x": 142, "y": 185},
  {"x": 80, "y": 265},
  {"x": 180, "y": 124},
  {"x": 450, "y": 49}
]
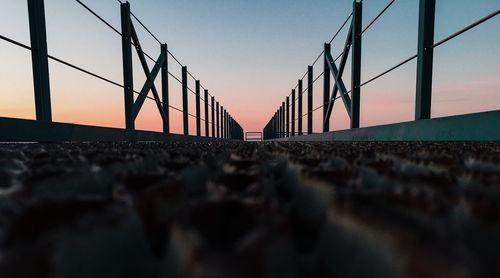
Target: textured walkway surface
[{"x": 250, "y": 210}]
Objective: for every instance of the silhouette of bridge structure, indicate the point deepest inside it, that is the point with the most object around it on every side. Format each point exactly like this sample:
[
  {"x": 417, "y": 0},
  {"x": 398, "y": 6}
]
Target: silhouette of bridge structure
[
  {"x": 286, "y": 123},
  {"x": 216, "y": 123}
]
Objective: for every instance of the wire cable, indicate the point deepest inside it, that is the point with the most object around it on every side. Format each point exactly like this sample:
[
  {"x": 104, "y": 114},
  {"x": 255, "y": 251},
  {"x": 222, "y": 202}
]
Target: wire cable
[
  {"x": 175, "y": 59},
  {"x": 379, "y": 15},
  {"x": 467, "y": 28},
  {"x": 387, "y": 71},
  {"x": 146, "y": 28},
  {"x": 84, "y": 71},
  {"x": 175, "y": 77},
  {"x": 99, "y": 17},
  {"x": 341, "y": 27},
  {"x": 15, "y": 42}
]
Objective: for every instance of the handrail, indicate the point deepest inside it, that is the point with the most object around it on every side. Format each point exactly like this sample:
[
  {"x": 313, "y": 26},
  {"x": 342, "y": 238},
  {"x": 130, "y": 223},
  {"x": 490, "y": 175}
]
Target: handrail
[
  {"x": 229, "y": 128},
  {"x": 279, "y": 127}
]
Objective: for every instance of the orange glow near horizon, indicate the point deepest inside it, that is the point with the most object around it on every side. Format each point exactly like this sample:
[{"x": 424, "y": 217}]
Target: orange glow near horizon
[{"x": 378, "y": 107}]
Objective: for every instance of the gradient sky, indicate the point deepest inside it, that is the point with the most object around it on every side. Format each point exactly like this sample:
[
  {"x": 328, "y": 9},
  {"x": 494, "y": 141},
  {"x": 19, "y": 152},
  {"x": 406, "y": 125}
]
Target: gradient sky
[{"x": 250, "y": 54}]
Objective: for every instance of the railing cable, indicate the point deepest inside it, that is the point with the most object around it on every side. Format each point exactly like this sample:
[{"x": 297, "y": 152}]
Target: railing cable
[
  {"x": 379, "y": 15},
  {"x": 467, "y": 28},
  {"x": 99, "y": 17},
  {"x": 389, "y": 70}
]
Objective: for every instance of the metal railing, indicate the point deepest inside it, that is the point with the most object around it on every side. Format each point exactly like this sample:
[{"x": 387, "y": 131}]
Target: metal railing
[
  {"x": 221, "y": 124},
  {"x": 253, "y": 136},
  {"x": 283, "y": 123}
]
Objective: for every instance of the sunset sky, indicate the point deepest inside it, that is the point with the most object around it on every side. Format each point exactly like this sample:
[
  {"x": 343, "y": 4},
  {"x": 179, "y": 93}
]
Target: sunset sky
[{"x": 250, "y": 54}]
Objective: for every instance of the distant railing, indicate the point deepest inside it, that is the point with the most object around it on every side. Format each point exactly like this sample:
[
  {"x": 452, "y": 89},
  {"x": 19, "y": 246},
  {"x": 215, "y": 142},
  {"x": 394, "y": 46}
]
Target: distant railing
[
  {"x": 253, "y": 136},
  {"x": 221, "y": 125},
  {"x": 283, "y": 123}
]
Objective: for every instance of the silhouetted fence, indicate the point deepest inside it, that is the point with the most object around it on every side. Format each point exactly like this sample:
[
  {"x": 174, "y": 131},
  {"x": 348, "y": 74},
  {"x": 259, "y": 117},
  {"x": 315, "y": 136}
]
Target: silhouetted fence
[
  {"x": 253, "y": 136},
  {"x": 283, "y": 122},
  {"x": 218, "y": 122}
]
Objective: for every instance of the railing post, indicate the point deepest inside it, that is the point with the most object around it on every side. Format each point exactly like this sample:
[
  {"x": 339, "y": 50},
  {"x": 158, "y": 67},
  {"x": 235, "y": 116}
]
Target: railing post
[
  {"x": 283, "y": 119},
  {"x": 273, "y": 127},
  {"x": 266, "y": 130},
  {"x": 206, "y": 114},
  {"x": 39, "y": 60},
  {"x": 309, "y": 100},
  {"x": 227, "y": 125},
  {"x": 287, "y": 116},
  {"x": 128, "y": 83},
  {"x": 300, "y": 107},
  {"x": 357, "y": 17},
  {"x": 230, "y": 123},
  {"x": 282, "y": 122},
  {"x": 326, "y": 88},
  {"x": 213, "y": 117},
  {"x": 272, "y": 130},
  {"x": 425, "y": 53},
  {"x": 279, "y": 122},
  {"x": 165, "y": 90},
  {"x": 293, "y": 112},
  {"x": 276, "y": 125},
  {"x": 222, "y": 122},
  {"x": 217, "y": 122},
  {"x": 185, "y": 106},
  {"x": 198, "y": 108}
]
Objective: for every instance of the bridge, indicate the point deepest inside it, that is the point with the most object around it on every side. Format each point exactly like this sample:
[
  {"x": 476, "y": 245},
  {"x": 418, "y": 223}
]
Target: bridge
[{"x": 295, "y": 199}]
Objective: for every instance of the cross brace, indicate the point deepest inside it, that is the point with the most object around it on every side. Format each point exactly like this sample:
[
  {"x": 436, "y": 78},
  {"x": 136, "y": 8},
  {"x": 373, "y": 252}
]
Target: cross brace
[
  {"x": 339, "y": 83},
  {"x": 151, "y": 76},
  {"x": 345, "y": 97}
]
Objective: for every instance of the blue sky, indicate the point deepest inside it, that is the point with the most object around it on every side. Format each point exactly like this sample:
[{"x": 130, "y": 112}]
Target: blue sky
[{"x": 249, "y": 54}]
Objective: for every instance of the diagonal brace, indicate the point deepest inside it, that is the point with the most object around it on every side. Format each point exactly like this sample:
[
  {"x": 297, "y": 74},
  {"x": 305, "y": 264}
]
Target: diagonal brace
[
  {"x": 339, "y": 83},
  {"x": 145, "y": 67},
  {"x": 342, "y": 64},
  {"x": 147, "y": 86}
]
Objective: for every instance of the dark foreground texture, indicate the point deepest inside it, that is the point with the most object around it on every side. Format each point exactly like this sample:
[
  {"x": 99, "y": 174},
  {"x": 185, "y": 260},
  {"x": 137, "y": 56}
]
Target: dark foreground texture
[{"x": 250, "y": 210}]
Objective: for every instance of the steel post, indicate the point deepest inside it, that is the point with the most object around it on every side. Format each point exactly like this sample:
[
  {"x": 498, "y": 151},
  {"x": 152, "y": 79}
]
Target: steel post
[
  {"x": 356, "y": 62},
  {"x": 39, "y": 60},
  {"x": 283, "y": 118},
  {"x": 309, "y": 100},
  {"x": 165, "y": 90},
  {"x": 326, "y": 88},
  {"x": 185, "y": 111},
  {"x": 217, "y": 122},
  {"x": 425, "y": 53},
  {"x": 222, "y": 122},
  {"x": 206, "y": 115},
  {"x": 128, "y": 83},
  {"x": 198, "y": 108},
  {"x": 287, "y": 116},
  {"x": 293, "y": 112},
  {"x": 213, "y": 117},
  {"x": 300, "y": 107}
]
